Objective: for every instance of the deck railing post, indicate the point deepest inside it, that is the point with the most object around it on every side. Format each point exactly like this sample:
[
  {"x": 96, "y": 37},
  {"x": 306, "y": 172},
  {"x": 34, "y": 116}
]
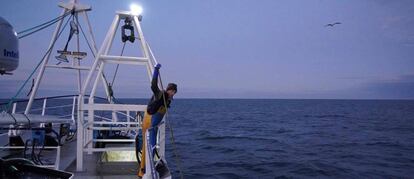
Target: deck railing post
[
  {"x": 44, "y": 106},
  {"x": 57, "y": 162},
  {"x": 128, "y": 119},
  {"x": 14, "y": 108},
  {"x": 73, "y": 109}
]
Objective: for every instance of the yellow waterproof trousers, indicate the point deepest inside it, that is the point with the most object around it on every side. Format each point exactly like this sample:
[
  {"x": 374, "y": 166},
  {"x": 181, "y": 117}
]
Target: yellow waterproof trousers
[{"x": 146, "y": 124}]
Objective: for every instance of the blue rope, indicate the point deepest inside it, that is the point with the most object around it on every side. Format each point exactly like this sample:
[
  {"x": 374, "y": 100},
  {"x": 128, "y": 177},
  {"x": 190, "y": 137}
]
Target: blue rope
[{"x": 7, "y": 107}]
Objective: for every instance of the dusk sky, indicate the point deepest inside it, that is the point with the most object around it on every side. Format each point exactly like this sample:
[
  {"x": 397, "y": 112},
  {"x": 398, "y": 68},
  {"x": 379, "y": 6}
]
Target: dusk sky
[{"x": 240, "y": 48}]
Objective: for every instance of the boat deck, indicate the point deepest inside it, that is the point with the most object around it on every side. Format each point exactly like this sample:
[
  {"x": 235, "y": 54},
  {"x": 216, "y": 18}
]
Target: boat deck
[
  {"x": 92, "y": 165},
  {"x": 95, "y": 169}
]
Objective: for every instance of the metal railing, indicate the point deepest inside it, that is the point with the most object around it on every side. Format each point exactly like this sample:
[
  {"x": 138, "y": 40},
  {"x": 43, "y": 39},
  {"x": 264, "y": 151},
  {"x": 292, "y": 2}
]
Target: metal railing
[
  {"x": 67, "y": 109},
  {"x": 122, "y": 122},
  {"x": 44, "y": 107}
]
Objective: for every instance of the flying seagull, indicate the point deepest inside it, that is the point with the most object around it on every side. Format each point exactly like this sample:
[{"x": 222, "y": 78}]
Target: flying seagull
[{"x": 331, "y": 25}]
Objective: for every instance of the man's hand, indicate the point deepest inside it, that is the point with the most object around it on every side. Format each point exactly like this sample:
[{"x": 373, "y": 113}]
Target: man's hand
[{"x": 157, "y": 66}]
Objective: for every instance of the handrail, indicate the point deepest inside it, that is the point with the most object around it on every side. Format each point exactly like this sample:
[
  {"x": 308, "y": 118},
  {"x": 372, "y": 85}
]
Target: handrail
[
  {"x": 125, "y": 114},
  {"x": 65, "y": 116},
  {"x": 52, "y": 107},
  {"x": 51, "y": 97},
  {"x": 101, "y": 117},
  {"x": 42, "y": 98}
]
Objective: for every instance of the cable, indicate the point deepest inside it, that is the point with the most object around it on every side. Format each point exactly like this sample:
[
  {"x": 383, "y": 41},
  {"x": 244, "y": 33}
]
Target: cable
[
  {"x": 40, "y": 151},
  {"x": 84, "y": 36},
  {"x": 177, "y": 157},
  {"x": 38, "y": 154},
  {"x": 52, "y": 22},
  {"x": 94, "y": 56},
  {"x": 23, "y": 31},
  {"x": 109, "y": 85},
  {"x": 30, "y": 125},
  {"x": 25, "y": 147},
  {"x": 31, "y": 88},
  {"x": 15, "y": 120},
  {"x": 117, "y": 66},
  {"x": 34, "y": 159},
  {"x": 6, "y": 108}
]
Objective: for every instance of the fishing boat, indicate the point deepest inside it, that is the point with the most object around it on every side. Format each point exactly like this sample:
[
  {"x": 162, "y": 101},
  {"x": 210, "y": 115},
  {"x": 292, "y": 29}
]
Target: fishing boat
[{"x": 82, "y": 135}]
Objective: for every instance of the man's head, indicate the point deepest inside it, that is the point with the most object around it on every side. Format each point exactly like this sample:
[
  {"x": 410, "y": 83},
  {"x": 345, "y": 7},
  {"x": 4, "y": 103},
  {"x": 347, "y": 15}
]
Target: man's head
[{"x": 171, "y": 90}]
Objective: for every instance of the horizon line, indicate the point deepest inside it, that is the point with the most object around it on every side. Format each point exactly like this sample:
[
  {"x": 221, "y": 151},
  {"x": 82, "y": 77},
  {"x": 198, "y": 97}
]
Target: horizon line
[{"x": 229, "y": 98}]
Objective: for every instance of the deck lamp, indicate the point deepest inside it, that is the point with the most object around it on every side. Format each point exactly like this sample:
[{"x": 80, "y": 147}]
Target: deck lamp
[{"x": 135, "y": 9}]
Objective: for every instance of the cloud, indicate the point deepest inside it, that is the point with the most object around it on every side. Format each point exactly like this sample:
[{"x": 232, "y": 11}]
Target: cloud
[
  {"x": 397, "y": 20},
  {"x": 409, "y": 41},
  {"x": 392, "y": 22},
  {"x": 401, "y": 87}
]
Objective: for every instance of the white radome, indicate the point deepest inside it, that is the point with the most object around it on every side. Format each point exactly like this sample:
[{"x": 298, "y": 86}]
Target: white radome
[{"x": 9, "y": 48}]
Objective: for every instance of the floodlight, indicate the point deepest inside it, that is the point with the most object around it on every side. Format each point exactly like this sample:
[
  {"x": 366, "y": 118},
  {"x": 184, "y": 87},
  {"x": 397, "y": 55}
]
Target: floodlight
[{"x": 135, "y": 9}]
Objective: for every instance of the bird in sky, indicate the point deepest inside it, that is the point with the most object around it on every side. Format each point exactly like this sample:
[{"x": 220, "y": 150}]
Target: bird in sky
[{"x": 333, "y": 24}]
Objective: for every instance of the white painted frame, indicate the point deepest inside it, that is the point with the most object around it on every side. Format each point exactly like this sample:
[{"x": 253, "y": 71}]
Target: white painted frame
[{"x": 87, "y": 122}]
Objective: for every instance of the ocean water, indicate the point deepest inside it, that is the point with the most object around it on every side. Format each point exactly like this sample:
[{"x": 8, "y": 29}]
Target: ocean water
[
  {"x": 249, "y": 138},
  {"x": 293, "y": 138}
]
